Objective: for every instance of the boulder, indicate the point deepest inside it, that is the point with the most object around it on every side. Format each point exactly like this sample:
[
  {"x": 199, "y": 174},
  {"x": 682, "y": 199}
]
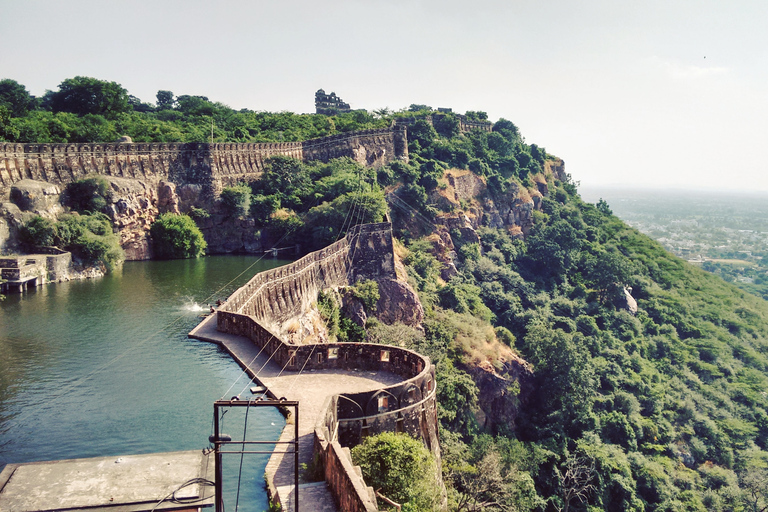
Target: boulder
[
  {"x": 398, "y": 302},
  {"x": 39, "y": 197},
  {"x": 630, "y": 304}
]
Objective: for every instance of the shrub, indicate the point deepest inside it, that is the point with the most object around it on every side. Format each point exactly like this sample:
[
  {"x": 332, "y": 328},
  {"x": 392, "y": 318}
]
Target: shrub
[
  {"x": 505, "y": 336},
  {"x": 329, "y": 311},
  {"x": 38, "y": 232},
  {"x": 88, "y": 195},
  {"x": 199, "y": 214},
  {"x": 176, "y": 236},
  {"x": 236, "y": 201},
  {"x": 367, "y": 292},
  {"x": 90, "y": 238}
]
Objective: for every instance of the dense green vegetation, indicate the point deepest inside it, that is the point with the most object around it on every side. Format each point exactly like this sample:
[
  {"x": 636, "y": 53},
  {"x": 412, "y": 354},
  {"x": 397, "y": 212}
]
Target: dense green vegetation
[
  {"x": 89, "y": 237},
  {"x": 176, "y": 237},
  {"x": 84, "y": 109},
  {"x": 313, "y": 204},
  {"x": 662, "y": 410}
]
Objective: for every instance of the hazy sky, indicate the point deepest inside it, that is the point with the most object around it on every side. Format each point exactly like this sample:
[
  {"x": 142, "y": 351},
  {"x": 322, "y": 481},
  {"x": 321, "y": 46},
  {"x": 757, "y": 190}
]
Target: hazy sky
[{"x": 652, "y": 93}]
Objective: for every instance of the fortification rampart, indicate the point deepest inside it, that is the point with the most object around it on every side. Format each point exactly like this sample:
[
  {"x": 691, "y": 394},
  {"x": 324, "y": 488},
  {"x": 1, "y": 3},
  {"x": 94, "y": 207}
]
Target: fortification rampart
[
  {"x": 286, "y": 292},
  {"x": 410, "y": 406},
  {"x": 210, "y": 165},
  {"x": 465, "y": 124}
]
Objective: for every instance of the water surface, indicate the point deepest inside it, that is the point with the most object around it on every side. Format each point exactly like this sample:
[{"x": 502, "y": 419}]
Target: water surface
[{"x": 104, "y": 367}]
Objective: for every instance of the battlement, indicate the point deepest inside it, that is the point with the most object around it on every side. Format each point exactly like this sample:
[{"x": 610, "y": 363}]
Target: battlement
[
  {"x": 465, "y": 124},
  {"x": 209, "y": 165}
]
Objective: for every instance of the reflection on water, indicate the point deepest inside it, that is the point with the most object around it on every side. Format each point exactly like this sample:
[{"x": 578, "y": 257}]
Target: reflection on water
[{"x": 104, "y": 367}]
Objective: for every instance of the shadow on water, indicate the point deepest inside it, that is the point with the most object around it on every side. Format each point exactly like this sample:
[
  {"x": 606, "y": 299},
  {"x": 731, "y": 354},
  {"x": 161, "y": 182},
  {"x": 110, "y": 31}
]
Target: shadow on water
[{"x": 103, "y": 367}]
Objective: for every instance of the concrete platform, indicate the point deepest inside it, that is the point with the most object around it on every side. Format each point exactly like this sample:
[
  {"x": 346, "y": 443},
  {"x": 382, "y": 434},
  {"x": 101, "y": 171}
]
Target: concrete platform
[{"x": 128, "y": 483}]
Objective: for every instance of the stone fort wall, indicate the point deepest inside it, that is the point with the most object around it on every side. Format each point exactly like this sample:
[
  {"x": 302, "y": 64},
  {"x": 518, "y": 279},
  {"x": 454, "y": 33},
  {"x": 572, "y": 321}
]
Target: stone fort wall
[
  {"x": 210, "y": 165},
  {"x": 409, "y": 406}
]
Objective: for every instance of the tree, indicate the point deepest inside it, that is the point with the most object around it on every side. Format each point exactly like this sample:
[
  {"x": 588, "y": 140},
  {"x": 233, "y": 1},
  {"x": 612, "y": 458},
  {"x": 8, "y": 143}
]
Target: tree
[
  {"x": 565, "y": 375},
  {"x": 401, "y": 468},
  {"x": 176, "y": 236},
  {"x": 489, "y": 485},
  {"x": 287, "y": 178},
  {"x": 138, "y": 106},
  {"x": 165, "y": 100},
  {"x": 477, "y": 115},
  {"x": 575, "y": 480},
  {"x": 456, "y": 398},
  {"x": 195, "y": 105},
  {"x": 88, "y": 195},
  {"x": 602, "y": 207},
  {"x": 236, "y": 201},
  {"x": 85, "y": 95},
  {"x": 507, "y": 129},
  {"x": 609, "y": 274},
  {"x": 15, "y": 97},
  {"x": 754, "y": 481},
  {"x": 37, "y": 232}
]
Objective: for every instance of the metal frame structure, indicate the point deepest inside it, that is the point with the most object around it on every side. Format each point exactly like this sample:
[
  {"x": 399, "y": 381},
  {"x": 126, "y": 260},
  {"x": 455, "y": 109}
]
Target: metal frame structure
[{"x": 219, "y": 443}]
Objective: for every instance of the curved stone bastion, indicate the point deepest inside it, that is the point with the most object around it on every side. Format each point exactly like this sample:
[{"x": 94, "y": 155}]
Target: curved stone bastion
[{"x": 403, "y": 400}]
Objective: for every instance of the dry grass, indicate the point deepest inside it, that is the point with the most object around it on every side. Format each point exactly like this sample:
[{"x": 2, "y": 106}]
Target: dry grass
[
  {"x": 476, "y": 339},
  {"x": 292, "y": 326},
  {"x": 400, "y": 250},
  {"x": 457, "y": 172},
  {"x": 524, "y": 195}
]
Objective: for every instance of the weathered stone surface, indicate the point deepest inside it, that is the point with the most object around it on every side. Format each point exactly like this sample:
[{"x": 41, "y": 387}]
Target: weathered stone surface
[
  {"x": 556, "y": 167},
  {"x": 630, "y": 304},
  {"x": 502, "y": 392},
  {"x": 207, "y": 165},
  {"x": 133, "y": 210},
  {"x": 167, "y": 200},
  {"x": 39, "y": 197},
  {"x": 353, "y": 309},
  {"x": 398, "y": 302},
  {"x": 11, "y": 219}
]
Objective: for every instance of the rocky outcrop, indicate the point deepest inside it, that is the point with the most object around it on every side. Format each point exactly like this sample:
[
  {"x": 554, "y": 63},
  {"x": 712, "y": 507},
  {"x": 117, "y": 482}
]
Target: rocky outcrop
[
  {"x": 133, "y": 210},
  {"x": 502, "y": 392},
  {"x": 629, "y": 302},
  {"x": 11, "y": 219},
  {"x": 38, "y": 197},
  {"x": 398, "y": 303}
]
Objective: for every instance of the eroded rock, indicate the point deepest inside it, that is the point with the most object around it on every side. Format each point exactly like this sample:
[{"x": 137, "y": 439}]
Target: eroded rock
[
  {"x": 398, "y": 302},
  {"x": 39, "y": 197}
]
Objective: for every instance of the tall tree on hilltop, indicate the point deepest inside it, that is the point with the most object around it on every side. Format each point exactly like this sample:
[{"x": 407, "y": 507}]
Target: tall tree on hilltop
[
  {"x": 15, "y": 97},
  {"x": 85, "y": 95}
]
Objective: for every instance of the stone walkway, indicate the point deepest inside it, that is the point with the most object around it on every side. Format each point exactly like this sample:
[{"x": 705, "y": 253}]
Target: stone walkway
[{"x": 310, "y": 389}]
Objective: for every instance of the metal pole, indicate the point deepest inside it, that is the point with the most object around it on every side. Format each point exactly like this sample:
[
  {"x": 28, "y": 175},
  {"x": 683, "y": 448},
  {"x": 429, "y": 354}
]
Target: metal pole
[
  {"x": 296, "y": 459},
  {"x": 217, "y": 448}
]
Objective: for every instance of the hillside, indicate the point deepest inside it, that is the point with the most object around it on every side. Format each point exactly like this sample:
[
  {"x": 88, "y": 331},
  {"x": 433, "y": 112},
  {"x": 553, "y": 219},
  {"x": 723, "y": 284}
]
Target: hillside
[
  {"x": 661, "y": 406},
  {"x": 580, "y": 365}
]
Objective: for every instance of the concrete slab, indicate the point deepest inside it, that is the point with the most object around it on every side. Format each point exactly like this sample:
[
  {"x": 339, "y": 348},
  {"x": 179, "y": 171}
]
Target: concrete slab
[{"x": 125, "y": 483}]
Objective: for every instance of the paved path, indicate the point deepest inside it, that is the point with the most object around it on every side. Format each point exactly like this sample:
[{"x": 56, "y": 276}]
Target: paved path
[{"x": 310, "y": 389}]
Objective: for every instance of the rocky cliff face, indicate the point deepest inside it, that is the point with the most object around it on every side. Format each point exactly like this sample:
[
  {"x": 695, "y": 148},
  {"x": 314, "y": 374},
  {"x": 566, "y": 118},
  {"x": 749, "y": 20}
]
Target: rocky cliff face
[
  {"x": 134, "y": 206},
  {"x": 502, "y": 392},
  {"x": 504, "y": 388}
]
